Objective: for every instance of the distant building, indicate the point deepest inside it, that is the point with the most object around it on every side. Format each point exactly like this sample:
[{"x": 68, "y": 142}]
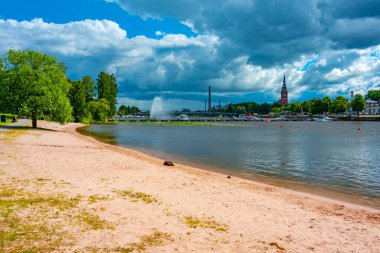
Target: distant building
[
  {"x": 372, "y": 107},
  {"x": 284, "y": 93}
]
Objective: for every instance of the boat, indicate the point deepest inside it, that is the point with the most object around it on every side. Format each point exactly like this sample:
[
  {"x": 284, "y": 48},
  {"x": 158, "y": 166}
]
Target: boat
[
  {"x": 183, "y": 117},
  {"x": 323, "y": 118}
]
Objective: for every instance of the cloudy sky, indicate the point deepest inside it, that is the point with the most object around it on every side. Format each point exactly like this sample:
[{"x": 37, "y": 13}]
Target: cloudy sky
[{"x": 177, "y": 48}]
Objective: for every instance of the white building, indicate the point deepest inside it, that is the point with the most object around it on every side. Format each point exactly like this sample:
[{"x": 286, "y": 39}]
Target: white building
[{"x": 372, "y": 107}]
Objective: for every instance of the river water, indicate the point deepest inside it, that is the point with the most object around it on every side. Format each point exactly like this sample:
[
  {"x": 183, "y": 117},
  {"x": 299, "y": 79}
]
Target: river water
[{"x": 341, "y": 158}]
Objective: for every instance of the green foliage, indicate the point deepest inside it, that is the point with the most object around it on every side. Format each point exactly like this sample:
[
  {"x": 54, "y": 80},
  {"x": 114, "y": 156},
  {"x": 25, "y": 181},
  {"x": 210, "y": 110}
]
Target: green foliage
[
  {"x": 339, "y": 105},
  {"x": 373, "y": 95},
  {"x": 107, "y": 89},
  {"x": 77, "y": 96},
  {"x": 306, "y": 106},
  {"x": 34, "y": 85},
  {"x": 251, "y": 107},
  {"x": 89, "y": 88},
  {"x": 320, "y": 106},
  {"x": 358, "y": 103},
  {"x": 296, "y": 107},
  {"x": 126, "y": 110},
  {"x": 99, "y": 110}
]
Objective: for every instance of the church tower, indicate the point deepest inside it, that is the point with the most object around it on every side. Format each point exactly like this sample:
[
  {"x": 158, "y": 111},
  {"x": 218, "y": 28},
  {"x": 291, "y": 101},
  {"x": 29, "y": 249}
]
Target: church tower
[{"x": 284, "y": 93}]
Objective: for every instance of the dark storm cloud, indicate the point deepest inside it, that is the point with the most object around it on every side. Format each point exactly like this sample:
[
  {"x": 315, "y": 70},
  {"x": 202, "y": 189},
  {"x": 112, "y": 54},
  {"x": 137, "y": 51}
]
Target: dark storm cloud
[
  {"x": 355, "y": 33},
  {"x": 273, "y": 32}
]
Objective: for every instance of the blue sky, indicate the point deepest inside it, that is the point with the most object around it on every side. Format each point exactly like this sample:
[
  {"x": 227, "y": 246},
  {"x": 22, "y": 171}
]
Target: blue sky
[{"x": 176, "y": 49}]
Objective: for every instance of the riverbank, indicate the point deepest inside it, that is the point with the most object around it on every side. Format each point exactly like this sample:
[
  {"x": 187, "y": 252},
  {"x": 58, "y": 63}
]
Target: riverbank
[{"x": 63, "y": 191}]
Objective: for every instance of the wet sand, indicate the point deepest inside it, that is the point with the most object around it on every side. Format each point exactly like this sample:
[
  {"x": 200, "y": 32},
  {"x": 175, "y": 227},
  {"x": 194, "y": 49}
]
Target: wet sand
[{"x": 187, "y": 209}]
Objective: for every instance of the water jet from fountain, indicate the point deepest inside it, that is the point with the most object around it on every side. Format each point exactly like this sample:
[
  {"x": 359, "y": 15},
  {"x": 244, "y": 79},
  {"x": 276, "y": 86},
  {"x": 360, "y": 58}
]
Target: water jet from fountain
[{"x": 157, "y": 111}]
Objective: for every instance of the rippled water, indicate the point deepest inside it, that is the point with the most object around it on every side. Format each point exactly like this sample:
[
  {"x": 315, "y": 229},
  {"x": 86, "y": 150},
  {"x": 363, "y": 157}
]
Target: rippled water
[{"x": 329, "y": 155}]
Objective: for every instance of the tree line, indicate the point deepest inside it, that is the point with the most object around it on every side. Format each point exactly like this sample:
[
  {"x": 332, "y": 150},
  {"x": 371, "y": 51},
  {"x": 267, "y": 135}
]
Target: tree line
[
  {"x": 314, "y": 106},
  {"x": 35, "y": 85}
]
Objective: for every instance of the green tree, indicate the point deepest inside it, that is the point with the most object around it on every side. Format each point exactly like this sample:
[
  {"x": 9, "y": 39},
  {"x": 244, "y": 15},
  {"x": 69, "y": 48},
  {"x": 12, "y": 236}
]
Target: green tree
[
  {"x": 358, "y": 103},
  {"x": 123, "y": 110},
  {"x": 90, "y": 88},
  {"x": 134, "y": 110},
  {"x": 316, "y": 106},
  {"x": 107, "y": 89},
  {"x": 296, "y": 107},
  {"x": 339, "y": 105},
  {"x": 306, "y": 107},
  {"x": 35, "y": 86},
  {"x": 325, "y": 104},
  {"x": 373, "y": 95},
  {"x": 99, "y": 110},
  {"x": 77, "y": 96}
]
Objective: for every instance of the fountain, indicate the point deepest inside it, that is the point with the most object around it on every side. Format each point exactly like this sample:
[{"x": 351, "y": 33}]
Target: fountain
[{"x": 157, "y": 111}]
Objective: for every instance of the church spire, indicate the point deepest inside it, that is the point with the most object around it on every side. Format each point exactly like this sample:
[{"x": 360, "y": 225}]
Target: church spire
[{"x": 284, "y": 93}]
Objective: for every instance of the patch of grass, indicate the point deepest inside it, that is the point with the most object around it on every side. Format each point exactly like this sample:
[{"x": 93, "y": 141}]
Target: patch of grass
[
  {"x": 29, "y": 222},
  {"x": 153, "y": 240},
  {"x": 194, "y": 222},
  {"x": 93, "y": 221},
  {"x": 11, "y": 134},
  {"x": 41, "y": 181},
  {"x": 137, "y": 196},
  {"x": 95, "y": 198}
]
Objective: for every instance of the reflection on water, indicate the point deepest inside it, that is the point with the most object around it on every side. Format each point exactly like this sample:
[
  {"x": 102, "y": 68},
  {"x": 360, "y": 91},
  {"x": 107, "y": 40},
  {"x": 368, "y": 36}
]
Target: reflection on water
[{"x": 334, "y": 155}]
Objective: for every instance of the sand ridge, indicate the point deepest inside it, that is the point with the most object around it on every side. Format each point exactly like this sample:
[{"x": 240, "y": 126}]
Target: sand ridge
[{"x": 150, "y": 207}]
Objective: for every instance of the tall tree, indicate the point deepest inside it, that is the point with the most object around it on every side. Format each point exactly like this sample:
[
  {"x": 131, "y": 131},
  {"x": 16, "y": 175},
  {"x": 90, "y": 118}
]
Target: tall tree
[
  {"x": 107, "y": 89},
  {"x": 89, "y": 83},
  {"x": 339, "y": 105},
  {"x": 35, "y": 86},
  {"x": 373, "y": 95},
  {"x": 77, "y": 96},
  {"x": 358, "y": 103}
]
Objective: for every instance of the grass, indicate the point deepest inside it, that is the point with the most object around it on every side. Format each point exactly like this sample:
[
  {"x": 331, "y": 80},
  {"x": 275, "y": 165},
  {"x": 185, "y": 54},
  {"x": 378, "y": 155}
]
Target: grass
[
  {"x": 96, "y": 198},
  {"x": 37, "y": 222},
  {"x": 8, "y": 119},
  {"x": 28, "y": 221},
  {"x": 153, "y": 240},
  {"x": 194, "y": 222},
  {"x": 92, "y": 221},
  {"x": 138, "y": 196},
  {"x": 11, "y": 134}
]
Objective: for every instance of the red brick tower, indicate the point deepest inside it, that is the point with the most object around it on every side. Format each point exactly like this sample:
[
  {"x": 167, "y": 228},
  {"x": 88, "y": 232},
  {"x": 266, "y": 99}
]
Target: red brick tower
[{"x": 284, "y": 93}]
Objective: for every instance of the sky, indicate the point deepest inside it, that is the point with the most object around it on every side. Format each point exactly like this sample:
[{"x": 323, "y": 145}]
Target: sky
[{"x": 177, "y": 48}]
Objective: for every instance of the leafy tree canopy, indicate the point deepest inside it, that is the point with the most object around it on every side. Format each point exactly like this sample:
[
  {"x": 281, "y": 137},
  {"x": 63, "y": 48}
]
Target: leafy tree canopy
[
  {"x": 373, "y": 95},
  {"x": 339, "y": 105},
  {"x": 358, "y": 103},
  {"x": 107, "y": 89},
  {"x": 34, "y": 85}
]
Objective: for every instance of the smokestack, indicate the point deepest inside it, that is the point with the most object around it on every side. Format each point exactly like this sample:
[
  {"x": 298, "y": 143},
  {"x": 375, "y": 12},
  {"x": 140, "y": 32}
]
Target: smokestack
[
  {"x": 205, "y": 104},
  {"x": 352, "y": 95},
  {"x": 209, "y": 98}
]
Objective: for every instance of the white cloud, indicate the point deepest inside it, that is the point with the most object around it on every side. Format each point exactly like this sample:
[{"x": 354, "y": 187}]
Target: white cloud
[{"x": 183, "y": 67}]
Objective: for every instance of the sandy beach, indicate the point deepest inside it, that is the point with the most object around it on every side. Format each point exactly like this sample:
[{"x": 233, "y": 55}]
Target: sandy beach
[{"x": 65, "y": 192}]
